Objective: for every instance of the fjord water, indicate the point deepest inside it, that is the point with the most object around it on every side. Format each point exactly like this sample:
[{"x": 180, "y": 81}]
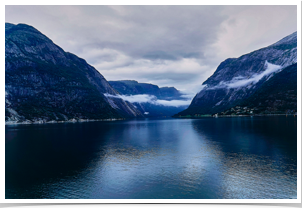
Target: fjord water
[{"x": 208, "y": 158}]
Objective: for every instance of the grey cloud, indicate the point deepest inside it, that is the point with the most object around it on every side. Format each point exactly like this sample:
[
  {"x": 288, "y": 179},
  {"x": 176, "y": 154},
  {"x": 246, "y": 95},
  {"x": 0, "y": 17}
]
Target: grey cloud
[
  {"x": 159, "y": 55},
  {"x": 173, "y": 76},
  {"x": 176, "y": 55},
  {"x": 140, "y": 32}
]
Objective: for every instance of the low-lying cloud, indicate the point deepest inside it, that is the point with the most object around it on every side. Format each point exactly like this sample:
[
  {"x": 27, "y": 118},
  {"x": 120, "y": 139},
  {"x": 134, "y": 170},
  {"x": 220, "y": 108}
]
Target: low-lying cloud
[
  {"x": 145, "y": 98},
  {"x": 240, "y": 81}
]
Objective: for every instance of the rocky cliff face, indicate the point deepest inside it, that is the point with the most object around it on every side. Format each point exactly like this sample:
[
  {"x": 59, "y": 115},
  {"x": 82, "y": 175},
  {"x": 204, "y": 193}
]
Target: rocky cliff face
[
  {"x": 236, "y": 79},
  {"x": 45, "y": 83}
]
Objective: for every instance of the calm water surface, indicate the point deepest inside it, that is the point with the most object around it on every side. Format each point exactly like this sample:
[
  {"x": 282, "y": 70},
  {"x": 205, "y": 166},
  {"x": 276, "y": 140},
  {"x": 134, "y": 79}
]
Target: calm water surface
[{"x": 209, "y": 158}]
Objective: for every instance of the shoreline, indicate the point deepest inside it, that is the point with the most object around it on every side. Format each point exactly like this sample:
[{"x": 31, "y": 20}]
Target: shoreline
[
  {"x": 220, "y": 116},
  {"x": 256, "y": 115},
  {"x": 68, "y": 121},
  {"x": 119, "y": 119}
]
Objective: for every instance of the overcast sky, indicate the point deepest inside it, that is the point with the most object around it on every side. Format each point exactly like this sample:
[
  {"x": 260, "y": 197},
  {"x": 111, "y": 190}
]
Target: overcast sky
[{"x": 178, "y": 46}]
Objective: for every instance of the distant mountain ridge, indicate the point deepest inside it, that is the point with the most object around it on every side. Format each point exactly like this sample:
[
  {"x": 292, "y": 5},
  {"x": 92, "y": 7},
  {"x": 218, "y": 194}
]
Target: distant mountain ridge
[
  {"x": 152, "y": 108},
  {"x": 132, "y": 87},
  {"x": 44, "y": 83},
  {"x": 236, "y": 79}
]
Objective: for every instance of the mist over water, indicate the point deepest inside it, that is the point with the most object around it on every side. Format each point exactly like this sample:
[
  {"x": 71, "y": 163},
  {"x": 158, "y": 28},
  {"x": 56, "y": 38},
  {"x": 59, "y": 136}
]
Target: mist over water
[
  {"x": 146, "y": 98},
  {"x": 209, "y": 158}
]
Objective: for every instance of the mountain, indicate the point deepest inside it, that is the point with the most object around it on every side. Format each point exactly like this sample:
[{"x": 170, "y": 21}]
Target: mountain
[
  {"x": 157, "y": 102},
  {"x": 44, "y": 83},
  {"x": 132, "y": 87},
  {"x": 278, "y": 95},
  {"x": 236, "y": 79}
]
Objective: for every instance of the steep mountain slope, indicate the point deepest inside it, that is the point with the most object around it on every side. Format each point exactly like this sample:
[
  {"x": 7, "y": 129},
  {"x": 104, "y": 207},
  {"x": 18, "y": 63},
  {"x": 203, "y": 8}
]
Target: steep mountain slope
[
  {"x": 152, "y": 108},
  {"x": 44, "y": 83},
  {"x": 236, "y": 79},
  {"x": 278, "y": 95}
]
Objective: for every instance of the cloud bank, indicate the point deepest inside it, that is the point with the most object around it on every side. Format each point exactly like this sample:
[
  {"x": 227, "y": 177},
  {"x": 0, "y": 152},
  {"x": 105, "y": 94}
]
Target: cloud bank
[
  {"x": 240, "y": 81},
  {"x": 145, "y": 98}
]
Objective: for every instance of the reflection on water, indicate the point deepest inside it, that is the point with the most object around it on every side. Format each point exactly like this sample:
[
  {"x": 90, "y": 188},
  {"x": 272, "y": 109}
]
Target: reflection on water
[
  {"x": 171, "y": 158},
  {"x": 258, "y": 154}
]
